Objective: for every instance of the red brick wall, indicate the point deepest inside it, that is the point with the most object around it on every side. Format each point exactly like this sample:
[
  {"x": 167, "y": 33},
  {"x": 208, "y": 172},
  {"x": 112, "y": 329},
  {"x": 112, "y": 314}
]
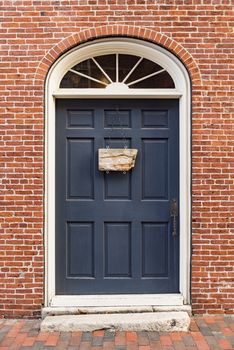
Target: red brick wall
[{"x": 33, "y": 34}]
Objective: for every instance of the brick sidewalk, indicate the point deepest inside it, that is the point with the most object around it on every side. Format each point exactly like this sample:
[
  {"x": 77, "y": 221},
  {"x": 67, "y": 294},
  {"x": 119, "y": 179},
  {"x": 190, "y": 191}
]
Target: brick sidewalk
[{"x": 205, "y": 333}]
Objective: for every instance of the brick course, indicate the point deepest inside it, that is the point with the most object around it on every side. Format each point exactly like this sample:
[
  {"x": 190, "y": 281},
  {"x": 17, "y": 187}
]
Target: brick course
[
  {"x": 206, "y": 333},
  {"x": 33, "y": 34}
]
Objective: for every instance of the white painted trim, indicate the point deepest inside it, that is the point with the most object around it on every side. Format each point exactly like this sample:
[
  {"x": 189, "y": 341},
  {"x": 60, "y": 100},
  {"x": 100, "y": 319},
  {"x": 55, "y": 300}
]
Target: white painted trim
[
  {"x": 105, "y": 46},
  {"x": 117, "y": 300},
  {"x": 117, "y": 93},
  {"x": 182, "y": 90}
]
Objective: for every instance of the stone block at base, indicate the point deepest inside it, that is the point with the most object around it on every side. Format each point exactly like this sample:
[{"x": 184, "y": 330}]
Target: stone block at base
[{"x": 149, "y": 321}]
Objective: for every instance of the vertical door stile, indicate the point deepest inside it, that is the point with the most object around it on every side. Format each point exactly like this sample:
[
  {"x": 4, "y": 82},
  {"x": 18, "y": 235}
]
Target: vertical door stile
[
  {"x": 98, "y": 222},
  {"x": 136, "y": 194}
]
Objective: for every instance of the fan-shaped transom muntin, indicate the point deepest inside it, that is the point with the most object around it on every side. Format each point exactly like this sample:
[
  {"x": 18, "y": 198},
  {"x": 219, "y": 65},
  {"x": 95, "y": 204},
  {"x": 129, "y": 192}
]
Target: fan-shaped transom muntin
[{"x": 117, "y": 70}]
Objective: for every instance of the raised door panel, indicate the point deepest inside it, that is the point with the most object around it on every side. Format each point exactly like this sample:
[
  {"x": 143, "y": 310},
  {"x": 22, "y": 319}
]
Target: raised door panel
[
  {"x": 80, "y": 168},
  {"x": 154, "y": 169}
]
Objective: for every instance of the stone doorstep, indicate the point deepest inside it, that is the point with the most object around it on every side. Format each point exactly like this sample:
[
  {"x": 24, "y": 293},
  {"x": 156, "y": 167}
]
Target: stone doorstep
[
  {"x": 145, "y": 321},
  {"x": 63, "y": 310}
]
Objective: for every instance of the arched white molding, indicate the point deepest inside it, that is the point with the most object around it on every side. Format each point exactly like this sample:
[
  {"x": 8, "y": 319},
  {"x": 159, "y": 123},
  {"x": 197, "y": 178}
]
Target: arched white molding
[
  {"x": 122, "y": 46},
  {"x": 182, "y": 92}
]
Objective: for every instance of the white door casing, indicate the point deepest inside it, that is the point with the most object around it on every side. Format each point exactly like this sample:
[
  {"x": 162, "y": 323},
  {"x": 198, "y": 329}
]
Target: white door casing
[{"x": 182, "y": 92}]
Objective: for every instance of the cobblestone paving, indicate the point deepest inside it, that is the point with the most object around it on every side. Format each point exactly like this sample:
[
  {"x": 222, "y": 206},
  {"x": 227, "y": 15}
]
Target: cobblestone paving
[{"x": 206, "y": 333}]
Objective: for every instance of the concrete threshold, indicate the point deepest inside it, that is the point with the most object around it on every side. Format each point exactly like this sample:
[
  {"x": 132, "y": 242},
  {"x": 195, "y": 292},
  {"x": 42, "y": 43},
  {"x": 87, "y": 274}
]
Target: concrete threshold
[
  {"x": 62, "y": 310},
  {"x": 144, "y": 321}
]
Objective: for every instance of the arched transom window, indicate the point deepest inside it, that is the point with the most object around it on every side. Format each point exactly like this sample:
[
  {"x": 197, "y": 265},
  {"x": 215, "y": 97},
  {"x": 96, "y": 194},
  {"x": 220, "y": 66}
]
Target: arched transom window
[{"x": 104, "y": 71}]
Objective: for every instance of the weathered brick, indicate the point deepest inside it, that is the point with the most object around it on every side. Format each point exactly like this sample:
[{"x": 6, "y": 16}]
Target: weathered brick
[{"x": 33, "y": 35}]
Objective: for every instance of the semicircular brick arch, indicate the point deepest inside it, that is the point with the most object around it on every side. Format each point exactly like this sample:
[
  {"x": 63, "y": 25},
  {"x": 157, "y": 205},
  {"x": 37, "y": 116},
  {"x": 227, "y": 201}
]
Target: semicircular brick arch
[{"x": 118, "y": 31}]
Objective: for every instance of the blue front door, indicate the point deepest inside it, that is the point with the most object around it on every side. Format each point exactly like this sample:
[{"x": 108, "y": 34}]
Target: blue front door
[{"x": 115, "y": 232}]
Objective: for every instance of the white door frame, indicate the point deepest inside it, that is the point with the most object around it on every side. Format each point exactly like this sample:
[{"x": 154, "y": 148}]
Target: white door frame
[{"x": 182, "y": 92}]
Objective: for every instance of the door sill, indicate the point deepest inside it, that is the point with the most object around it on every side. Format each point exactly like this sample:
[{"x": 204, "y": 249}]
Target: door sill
[{"x": 120, "y": 300}]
